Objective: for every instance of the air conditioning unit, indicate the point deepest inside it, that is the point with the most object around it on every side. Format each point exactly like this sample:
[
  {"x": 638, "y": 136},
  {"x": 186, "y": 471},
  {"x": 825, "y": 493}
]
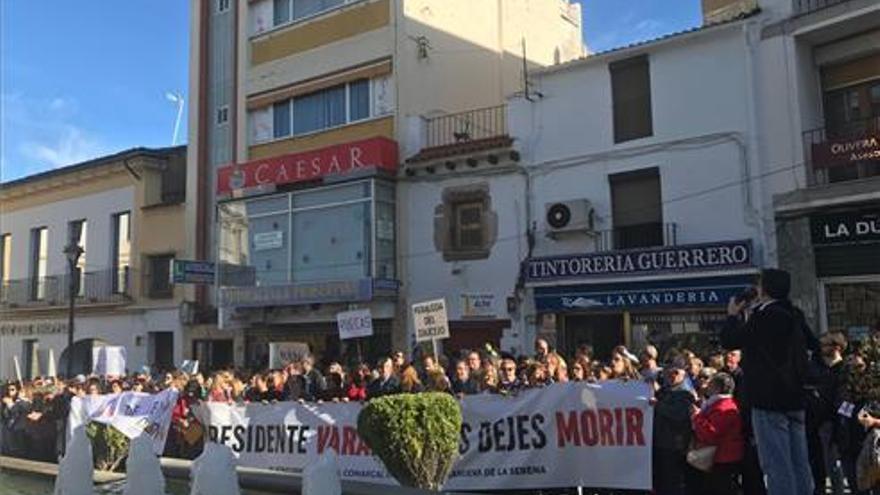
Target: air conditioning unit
[{"x": 567, "y": 217}]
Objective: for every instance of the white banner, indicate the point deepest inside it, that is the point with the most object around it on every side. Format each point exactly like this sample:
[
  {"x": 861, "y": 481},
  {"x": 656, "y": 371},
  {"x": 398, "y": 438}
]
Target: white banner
[
  {"x": 565, "y": 435},
  {"x": 108, "y": 360},
  {"x": 132, "y": 413},
  {"x": 355, "y": 324},
  {"x": 430, "y": 320}
]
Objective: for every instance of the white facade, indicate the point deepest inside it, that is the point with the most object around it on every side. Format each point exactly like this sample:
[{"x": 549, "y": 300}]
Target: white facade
[
  {"x": 715, "y": 184},
  {"x": 115, "y": 306}
]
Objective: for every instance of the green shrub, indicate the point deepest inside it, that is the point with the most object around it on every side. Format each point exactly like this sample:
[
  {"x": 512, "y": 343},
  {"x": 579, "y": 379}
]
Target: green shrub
[
  {"x": 415, "y": 435},
  {"x": 109, "y": 446}
]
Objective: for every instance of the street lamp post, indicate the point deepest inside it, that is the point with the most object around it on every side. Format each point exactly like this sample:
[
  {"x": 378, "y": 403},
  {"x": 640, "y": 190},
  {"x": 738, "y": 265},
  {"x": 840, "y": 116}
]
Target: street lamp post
[{"x": 72, "y": 252}]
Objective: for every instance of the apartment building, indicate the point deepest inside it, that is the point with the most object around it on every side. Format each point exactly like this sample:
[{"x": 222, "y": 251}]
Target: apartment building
[
  {"x": 301, "y": 112},
  {"x": 126, "y": 213},
  {"x": 829, "y": 123}
]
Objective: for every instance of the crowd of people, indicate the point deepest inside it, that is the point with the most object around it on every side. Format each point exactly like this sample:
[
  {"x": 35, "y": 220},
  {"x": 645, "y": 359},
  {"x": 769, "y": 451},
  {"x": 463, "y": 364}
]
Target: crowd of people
[{"x": 781, "y": 411}]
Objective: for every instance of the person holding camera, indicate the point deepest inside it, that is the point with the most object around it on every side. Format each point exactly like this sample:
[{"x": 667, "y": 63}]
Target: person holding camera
[{"x": 774, "y": 363}]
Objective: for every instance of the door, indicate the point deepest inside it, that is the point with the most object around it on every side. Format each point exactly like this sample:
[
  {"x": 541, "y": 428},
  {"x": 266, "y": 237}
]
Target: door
[
  {"x": 603, "y": 332},
  {"x": 161, "y": 350}
]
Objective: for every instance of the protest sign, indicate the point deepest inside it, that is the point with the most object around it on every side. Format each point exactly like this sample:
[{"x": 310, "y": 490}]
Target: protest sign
[
  {"x": 283, "y": 353},
  {"x": 132, "y": 413},
  {"x": 430, "y": 320},
  {"x": 564, "y": 435},
  {"x": 190, "y": 367},
  {"x": 108, "y": 360},
  {"x": 355, "y": 324}
]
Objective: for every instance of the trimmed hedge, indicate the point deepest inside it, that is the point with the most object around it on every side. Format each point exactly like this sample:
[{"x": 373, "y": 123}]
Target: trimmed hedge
[{"x": 415, "y": 435}]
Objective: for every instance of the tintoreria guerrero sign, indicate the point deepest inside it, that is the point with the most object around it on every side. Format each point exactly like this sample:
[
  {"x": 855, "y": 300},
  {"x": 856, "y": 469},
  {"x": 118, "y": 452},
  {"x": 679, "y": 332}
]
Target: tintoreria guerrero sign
[
  {"x": 674, "y": 259},
  {"x": 572, "y": 434}
]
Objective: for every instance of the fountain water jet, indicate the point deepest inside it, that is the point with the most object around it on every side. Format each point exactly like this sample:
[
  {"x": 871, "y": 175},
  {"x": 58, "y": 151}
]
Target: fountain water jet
[
  {"x": 75, "y": 469},
  {"x": 322, "y": 477},
  {"x": 144, "y": 473},
  {"x": 213, "y": 472}
]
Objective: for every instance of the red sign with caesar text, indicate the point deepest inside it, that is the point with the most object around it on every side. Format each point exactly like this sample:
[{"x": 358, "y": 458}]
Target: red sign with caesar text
[{"x": 342, "y": 159}]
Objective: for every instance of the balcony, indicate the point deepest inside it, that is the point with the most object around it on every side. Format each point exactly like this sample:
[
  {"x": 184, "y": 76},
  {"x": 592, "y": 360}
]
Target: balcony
[
  {"x": 464, "y": 132},
  {"x": 843, "y": 153},
  {"x": 803, "y": 7},
  {"x": 638, "y": 236},
  {"x": 97, "y": 288}
]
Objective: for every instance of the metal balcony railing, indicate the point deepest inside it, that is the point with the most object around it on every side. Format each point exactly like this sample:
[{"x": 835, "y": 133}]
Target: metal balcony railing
[
  {"x": 802, "y": 7},
  {"x": 843, "y": 152},
  {"x": 465, "y": 127},
  {"x": 98, "y": 287},
  {"x": 644, "y": 235}
]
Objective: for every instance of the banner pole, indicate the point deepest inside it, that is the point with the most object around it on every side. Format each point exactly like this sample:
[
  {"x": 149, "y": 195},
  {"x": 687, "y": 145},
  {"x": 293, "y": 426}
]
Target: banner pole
[
  {"x": 434, "y": 345},
  {"x": 360, "y": 357}
]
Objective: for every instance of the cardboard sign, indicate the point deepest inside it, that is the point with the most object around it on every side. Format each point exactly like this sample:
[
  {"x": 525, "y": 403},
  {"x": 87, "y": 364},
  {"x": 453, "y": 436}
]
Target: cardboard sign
[
  {"x": 430, "y": 320},
  {"x": 355, "y": 324},
  {"x": 283, "y": 353},
  {"x": 108, "y": 361}
]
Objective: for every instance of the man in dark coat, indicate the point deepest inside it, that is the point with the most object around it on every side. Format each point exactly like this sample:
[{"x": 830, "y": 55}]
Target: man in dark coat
[
  {"x": 772, "y": 339},
  {"x": 672, "y": 431}
]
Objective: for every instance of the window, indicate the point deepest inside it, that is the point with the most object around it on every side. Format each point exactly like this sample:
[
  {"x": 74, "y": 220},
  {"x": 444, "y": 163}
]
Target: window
[
  {"x": 39, "y": 262},
  {"x": 121, "y": 252},
  {"x": 76, "y": 235},
  {"x": 5, "y": 259},
  {"x": 294, "y": 10},
  {"x": 222, "y": 5},
  {"x": 467, "y": 233},
  {"x": 223, "y": 115},
  {"x": 325, "y": 233},
  {"x": 281, "y": 119},
  {"x": 158, "y": 281},
  {"x": 631, "y": 99},
  {"x": 319, "y": 110},
  {"x": 464, "y": 225},
  {"x": 636, "y": 209},
  {"x": 324, "y": 109}
]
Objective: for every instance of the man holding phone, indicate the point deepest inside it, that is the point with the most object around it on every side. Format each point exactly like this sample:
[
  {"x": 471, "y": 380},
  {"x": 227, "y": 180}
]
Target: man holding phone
[{"x": 774, "y": 364}]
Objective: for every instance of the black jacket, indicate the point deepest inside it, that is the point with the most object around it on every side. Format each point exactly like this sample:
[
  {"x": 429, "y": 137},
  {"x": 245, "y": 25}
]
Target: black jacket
[
  {"x": 378, "y": 388},
  {"x": 672, "y": 420},
  {"x": 468, "y": 387},
  {"x": 774, "y": 361}
]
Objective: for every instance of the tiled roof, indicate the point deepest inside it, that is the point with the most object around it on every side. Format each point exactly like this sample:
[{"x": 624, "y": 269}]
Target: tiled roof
[{"x": 462, "y": 148}]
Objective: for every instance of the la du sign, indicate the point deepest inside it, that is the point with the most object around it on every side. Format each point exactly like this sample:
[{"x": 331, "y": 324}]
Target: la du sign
[{"x": 860, "y": 226}]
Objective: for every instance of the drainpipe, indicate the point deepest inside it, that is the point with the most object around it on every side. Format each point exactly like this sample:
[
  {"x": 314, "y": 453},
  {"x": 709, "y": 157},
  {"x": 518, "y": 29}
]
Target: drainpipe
[{"x": 753, "y": 208}]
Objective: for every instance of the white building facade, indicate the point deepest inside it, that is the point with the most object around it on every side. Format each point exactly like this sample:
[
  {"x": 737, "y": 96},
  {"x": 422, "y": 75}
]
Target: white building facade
[
  {"x": 625, "y": 199},
  {"x": 129, "y": 227}
]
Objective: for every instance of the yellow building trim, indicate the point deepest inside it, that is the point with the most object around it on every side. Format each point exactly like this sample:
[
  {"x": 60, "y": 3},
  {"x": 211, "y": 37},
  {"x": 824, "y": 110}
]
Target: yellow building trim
[
  {"x": 383, "y": 127},
  {"x": 63, "y": 188},
  {"x": 348, "y": 22}
]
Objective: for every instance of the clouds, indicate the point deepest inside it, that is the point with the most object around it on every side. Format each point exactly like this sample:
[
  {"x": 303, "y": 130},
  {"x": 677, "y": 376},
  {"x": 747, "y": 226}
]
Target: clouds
[
  {"x": 610, "y": 24},
  {"x": 39, "y": 134}
]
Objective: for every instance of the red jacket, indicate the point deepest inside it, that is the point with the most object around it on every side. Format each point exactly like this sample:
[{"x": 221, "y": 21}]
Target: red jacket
[{"x": 721, "y": 425}]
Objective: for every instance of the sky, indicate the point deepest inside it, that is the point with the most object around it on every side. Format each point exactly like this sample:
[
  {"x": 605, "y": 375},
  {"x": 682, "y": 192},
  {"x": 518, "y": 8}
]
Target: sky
[{"x": 94, "y": 80}]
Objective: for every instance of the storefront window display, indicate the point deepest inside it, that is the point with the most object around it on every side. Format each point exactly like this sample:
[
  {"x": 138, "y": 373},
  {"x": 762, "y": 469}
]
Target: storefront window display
[
  {"x": 853, "y": 308},
  {"x": 319, "y": 234}
]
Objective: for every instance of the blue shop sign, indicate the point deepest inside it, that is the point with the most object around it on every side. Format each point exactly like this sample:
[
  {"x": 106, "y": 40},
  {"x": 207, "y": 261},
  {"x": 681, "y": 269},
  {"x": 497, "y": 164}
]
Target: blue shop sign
[
  {"x": 670, "y": 259},
  {"x": 681, "y": 293}
]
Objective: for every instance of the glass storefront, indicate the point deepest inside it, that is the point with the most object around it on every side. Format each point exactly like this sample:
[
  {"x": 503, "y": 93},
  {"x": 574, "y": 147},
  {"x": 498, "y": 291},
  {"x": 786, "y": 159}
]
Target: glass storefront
[
  {"x": 853, "y": 308},
  {"x": 337, "y": 232}
]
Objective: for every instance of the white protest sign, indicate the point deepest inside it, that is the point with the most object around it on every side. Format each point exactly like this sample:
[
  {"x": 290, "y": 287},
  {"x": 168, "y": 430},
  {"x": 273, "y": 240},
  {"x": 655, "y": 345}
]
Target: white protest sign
[
  {"x": 283, "y": 353},
  {"x": 132, "y": 413},
  {"x": 430, "y": 320},
  {"x": 108, "y": 361},
  {"x": 17, "y": 368},
  {"x": 563, "y": 435},
  {"x": 190, "y": 367},
  {"x": 354, "y": 324}
]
